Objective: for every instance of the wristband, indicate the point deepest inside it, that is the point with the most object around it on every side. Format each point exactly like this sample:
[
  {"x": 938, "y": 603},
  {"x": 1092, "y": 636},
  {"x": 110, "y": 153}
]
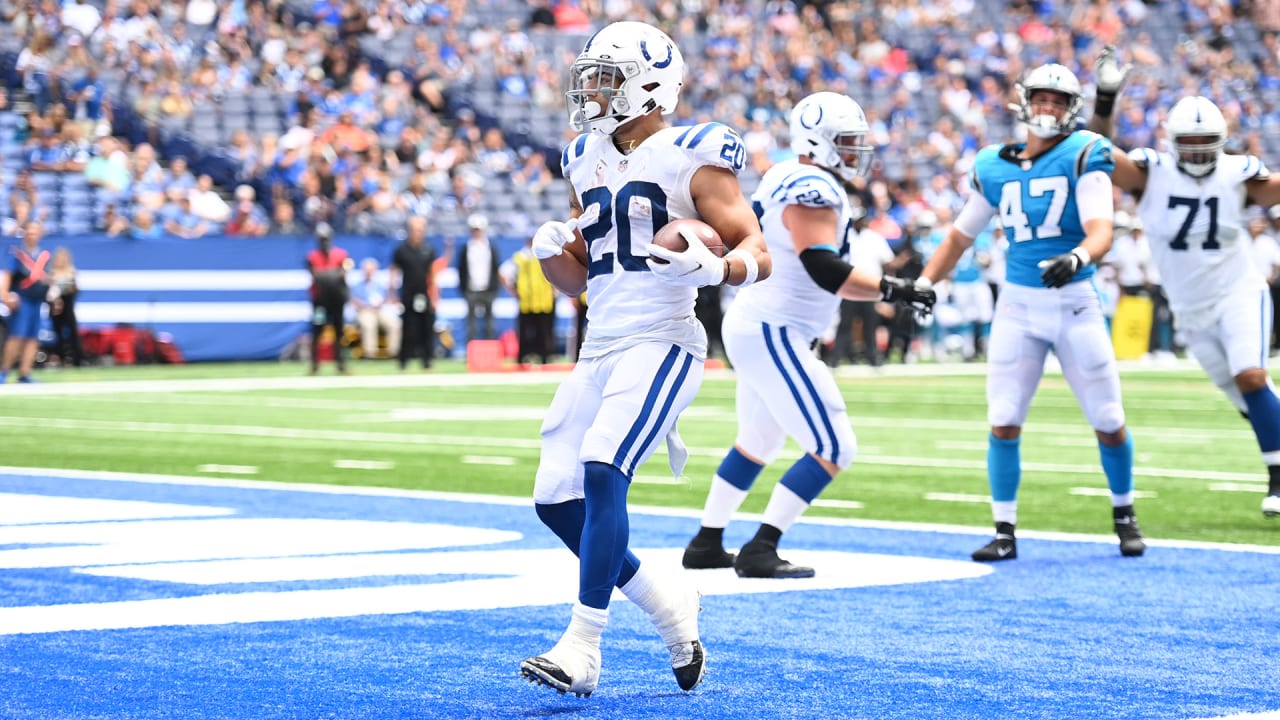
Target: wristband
[
  {"x": 1104, "y": 104},
  {"x": 1082, "y": 255},
  {"x": 748, "y": 263}
]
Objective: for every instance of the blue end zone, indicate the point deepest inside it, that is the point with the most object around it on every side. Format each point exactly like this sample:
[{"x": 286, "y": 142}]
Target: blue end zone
[{"x": 1070, "y": 630}]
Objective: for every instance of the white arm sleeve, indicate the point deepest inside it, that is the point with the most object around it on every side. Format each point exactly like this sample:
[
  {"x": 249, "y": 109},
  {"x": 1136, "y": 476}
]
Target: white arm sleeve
[
  {"x": 1093, "y": 196},
  {"x": 974, "y": 216}
]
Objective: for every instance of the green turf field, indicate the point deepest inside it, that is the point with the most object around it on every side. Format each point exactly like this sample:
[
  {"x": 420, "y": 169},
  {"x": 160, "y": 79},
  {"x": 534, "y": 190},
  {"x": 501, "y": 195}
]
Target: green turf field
[{"x": 922, "y": 441}]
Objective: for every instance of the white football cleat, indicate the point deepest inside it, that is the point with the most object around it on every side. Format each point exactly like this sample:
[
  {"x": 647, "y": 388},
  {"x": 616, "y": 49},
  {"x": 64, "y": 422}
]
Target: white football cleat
[
  {"x": 1271, "y": 506},
  {"x": 573, "y": 665},
  {"x": 677, "y": 623}
]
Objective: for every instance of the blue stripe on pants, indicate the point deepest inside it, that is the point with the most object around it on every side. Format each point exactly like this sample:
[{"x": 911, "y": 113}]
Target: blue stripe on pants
[
  {"x": 620, "y": 459},
  {"x": 662, "y": 415}
]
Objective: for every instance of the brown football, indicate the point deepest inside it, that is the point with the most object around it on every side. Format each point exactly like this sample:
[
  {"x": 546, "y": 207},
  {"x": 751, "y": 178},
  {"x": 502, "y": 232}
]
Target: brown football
[{"x": 668, "y": 236}]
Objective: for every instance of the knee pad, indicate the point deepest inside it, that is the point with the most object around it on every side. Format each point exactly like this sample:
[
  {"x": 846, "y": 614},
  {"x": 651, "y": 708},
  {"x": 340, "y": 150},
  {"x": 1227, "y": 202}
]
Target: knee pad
[{"x": 1109, "y": 417}]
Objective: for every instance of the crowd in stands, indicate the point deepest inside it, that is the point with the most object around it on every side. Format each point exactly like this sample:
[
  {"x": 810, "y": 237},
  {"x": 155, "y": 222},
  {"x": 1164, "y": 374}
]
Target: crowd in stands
[{"x": 185, "y": 118}]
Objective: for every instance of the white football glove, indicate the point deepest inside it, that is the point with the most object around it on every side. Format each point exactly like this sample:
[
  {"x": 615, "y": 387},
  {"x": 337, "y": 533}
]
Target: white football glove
[
  {"x": 696, "y": 266},
  {"x": 553, "y": 235},
  {"x": 1108, "y": 74}
]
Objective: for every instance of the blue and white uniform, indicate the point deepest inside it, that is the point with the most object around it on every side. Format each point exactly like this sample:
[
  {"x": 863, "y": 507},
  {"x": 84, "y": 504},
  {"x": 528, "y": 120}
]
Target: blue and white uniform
[{"x": 644, "y": 389}]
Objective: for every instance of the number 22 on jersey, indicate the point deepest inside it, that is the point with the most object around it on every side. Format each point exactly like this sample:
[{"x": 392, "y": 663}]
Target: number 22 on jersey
[{"x": 1041, "y": 191}]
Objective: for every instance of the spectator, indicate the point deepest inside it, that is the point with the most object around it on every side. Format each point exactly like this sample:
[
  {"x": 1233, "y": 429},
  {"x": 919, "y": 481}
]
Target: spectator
[
  {"x": 24, "y": 288},
  {"x": 206, "y": 203},
  {"x": 144, "y": 226},
  {"x": 860, "y": 319},
  {"x": 108, "y": 169},
  {"x": 247, "y": 219},
  {"x": 34, "y": 65},
  {"x": 179, "y": 175},
  {"x": 329, "y": 294},
  {"x": 374, "y": 305},
  {"x": 345, "y": 134},
  {"x": 284, "y": 220},
  {"x": 522, "y": 276},
  {"x": 177, "y": 218},
  {"x": 66, "y": 331},
  {"x": 413, "y": 273},
  {"x": 49, "y": 154},
  {"x": 478, "y": 277}
]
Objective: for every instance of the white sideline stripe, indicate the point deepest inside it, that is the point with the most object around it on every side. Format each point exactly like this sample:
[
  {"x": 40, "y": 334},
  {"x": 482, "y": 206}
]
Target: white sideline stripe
[
  {"x": 228, "y": 469},
  {"x": 840, "y": 504},
  {"x": 222, "y": 280},
  {"x": 956, "y": 497},
  {"x": 478, "y": 499},
  {"x": 488, "y": 460},
  {"x": 360, "y": 436},
  {"x": 1104, "y": 492},
  {"x": 139, "y": 313},
  {"x": 1238, "y": 487},
  {"x": 364, "y": 464}
]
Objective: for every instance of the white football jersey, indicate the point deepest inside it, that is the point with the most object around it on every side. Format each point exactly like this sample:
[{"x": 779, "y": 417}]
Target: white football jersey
[
  {"x": 1196, "y": 229},
  {"x": 637, "y": 194},
  {"x": 790, "y": 297}
]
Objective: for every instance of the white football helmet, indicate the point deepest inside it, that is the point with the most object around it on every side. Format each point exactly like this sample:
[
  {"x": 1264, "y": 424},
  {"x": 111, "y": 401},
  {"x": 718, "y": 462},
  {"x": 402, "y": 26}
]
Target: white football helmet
[
  {"x": 830, "y": 129},
  {"x": 626, "y": 70},
  {"x": 1056, "y": 78},
  {"x": 1196, "y": 117}
]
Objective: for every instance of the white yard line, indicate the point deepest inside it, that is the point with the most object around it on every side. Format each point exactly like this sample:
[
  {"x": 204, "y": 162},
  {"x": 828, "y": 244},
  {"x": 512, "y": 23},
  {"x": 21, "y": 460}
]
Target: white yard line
[
  {"x": 364, "y": 465},
  {"x": 956, "y": 497},
  {"x": 533, "y": 443},
  {"x": 838, "y": 504},
  {"x": 505, "y": 460},
  {"x": 228, "y": 469},
  {"x": 1104, "y": 492}
]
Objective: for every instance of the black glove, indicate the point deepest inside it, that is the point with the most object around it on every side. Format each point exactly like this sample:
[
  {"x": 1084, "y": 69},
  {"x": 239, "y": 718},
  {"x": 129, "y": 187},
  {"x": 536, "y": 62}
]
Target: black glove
[
  {"x": 1058, "y": 271},
  {"x": 897, "y": 290}
]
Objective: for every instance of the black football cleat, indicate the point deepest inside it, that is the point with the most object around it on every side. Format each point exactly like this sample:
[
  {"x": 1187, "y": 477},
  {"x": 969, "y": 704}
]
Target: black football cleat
[
  {"x": 759, "y": 559},
  {"x": 1126, "y": 524},
  {"x": 1003, "y": 547},
  {"x": 706, "y": 556}
]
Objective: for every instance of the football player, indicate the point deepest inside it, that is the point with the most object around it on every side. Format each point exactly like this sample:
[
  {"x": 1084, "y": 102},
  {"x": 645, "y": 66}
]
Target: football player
[
  {"x": 1191, "y": 202},
  {"x": 642, "y": 361},
  {"x": 783, "y": 388},
  {"x": 1052, "y": 195}
]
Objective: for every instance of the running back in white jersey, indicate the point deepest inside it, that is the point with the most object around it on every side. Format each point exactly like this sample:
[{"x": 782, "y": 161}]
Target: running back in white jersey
[
  {"x": 1196, "y": 228},
  {"x": 791, "y": 297},
  {"x": 637, "y": 194}
]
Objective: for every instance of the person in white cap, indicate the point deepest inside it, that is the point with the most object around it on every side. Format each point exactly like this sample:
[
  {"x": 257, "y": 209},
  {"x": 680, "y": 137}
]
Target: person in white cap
[{"x": 478, "y": 277}]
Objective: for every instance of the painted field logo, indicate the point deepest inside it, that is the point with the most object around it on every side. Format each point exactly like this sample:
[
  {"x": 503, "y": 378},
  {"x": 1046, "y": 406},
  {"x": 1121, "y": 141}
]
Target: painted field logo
[{"x": 204, "y": 565}]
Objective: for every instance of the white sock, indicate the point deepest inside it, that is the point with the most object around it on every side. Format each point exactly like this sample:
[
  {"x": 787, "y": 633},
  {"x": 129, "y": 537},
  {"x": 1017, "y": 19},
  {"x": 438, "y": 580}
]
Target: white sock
[
  {"x": 1005, "y": 511},
  {"x": 588, "y": 622},
  {"x": 641, "y": 590},
  {"x": 784, "y": 508},
  {"x": 1122, "y": 499},
  {"x": 722, "y": 502}
]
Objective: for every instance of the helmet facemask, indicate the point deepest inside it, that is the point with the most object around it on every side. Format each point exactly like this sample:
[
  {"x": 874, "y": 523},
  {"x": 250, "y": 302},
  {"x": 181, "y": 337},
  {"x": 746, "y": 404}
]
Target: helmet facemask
[
  {"x": 854, "y": 154},
  {"x": 1051, "y": 78},
  {"x": 1201, "y": 157},
  {"x": 597, "y": 100}
]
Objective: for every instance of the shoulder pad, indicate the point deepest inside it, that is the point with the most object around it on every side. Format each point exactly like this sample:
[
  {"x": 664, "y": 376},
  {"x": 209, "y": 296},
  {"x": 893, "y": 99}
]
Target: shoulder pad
[
  {"x": 1095, "y": 155},
  {"x": 574, "y": 152},
  {"x": 810, "y": 187},
  {"x": 713, "y": 143},
  {"x": 1144, "y": 157},
  {"x": 1254, "y": 169}
]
